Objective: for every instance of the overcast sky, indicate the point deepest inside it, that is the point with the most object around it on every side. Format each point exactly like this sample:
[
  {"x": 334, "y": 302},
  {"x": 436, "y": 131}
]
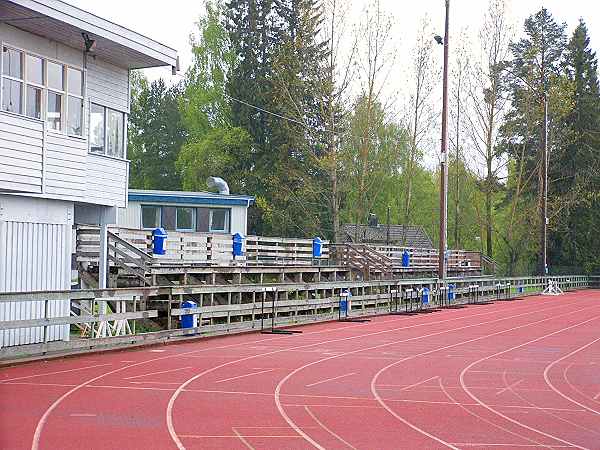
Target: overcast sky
[{"x": 172, "y": 22}]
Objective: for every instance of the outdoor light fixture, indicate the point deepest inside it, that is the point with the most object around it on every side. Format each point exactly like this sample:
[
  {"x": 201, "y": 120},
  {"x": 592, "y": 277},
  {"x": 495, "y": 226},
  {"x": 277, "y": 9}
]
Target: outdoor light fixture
[
  {"x": 439, "y": 39},
  {"x": 90, "y": 44}
]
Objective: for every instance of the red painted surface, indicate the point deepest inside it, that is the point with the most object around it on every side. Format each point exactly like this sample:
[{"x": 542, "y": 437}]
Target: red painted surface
[{"x": 508, "y": 375}]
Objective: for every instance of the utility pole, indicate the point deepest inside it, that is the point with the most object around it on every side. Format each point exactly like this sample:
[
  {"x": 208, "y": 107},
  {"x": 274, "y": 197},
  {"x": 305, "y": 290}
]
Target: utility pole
[
  {"x": 444, "y": 158},
  {"x": 544, "y": 218}
]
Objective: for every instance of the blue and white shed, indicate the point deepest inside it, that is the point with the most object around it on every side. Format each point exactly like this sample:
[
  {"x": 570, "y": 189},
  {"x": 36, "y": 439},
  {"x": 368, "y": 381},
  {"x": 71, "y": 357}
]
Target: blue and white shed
[{"x": 205, "y": 212}]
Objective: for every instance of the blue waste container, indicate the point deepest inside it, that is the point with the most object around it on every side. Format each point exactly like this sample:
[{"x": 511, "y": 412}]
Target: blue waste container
[
  {"x": 520, "y": 289},
  {"x": 189, "y": 320},
  {"x": 451, "y": 293},
  {"x": 238, "y": 245},
  {"x": 317, "y": 247},
  {"x": 405, "y": 259},
  {"x": 159, "y": 235},
  {"x": 425, "y": 296}
]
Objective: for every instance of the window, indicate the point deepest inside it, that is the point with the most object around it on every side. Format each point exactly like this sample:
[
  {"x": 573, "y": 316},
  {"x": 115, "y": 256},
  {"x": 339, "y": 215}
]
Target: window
[
  {"x": 55, "y": 76},
  {"x": 150, "y": 217},
  {"x": 54, "y": 114},
  {"x": 34, "y": 102},
  {"x": 185, "y": 219},
  {"x": 75, "y": 102},
  {"x": 107, "y": 131},
  {"x": 44, "y": 90},
  {"x": 12, "y": 80},
  {"x": 219, "y": 221},
  {"x": 97, "y": 129},
  {"x": 114, "y": 134}
]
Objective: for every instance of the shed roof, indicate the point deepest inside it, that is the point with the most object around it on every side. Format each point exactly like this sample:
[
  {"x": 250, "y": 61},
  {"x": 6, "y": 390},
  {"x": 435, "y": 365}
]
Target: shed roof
[
  {"x": 189, "y": 198},
  {"x": 65, "y": 23}
]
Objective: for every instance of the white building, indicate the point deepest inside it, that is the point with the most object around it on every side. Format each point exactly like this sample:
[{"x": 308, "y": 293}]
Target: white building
[
  {"x": 205, "y": 212},
  {"x": 64, "y": 101}
]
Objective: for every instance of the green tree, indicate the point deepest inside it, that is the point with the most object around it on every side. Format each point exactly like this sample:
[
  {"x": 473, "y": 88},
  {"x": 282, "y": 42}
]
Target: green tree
[
  {"x": 214, "y": 147},
  {"x": 578, "y": 185},
  {"x": 156, "y": 134}
]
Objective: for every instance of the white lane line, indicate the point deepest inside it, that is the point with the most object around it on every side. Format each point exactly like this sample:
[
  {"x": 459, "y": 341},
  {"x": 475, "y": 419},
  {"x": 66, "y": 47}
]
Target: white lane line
[
  {"x": 509, "y": 387},
  {"x": 563, "y": 395},
  {"x": 406, "y": 387},
  {"x": 244, "y": 376},
  {"x": 243, "y": 439},
  {"x": 424, "y": 432},
  {"x": 480, "y": 417},
  {"x": 52, "y": 373},
  {"x": 156, "y": 373},
  {"x": 373, "y": 381},
  {"x": 44, "y": 418},
  {"x": 234, "y": 436},
  {"x": 504, "y": 416},
  {"x": 183, "y": 386},
  {"x": 573, "y": 424},
  {"x": 487, "y": 444},
  {"x": 330, "y": 379},
  {"x": 322, "y": 425},
  {"x": 597, "y": 396}
]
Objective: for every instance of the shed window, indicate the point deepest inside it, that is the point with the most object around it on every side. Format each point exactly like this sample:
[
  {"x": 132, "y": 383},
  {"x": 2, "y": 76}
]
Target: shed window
[
  {"x": 219, "y": 221},
  {"x": 185, "y": 219},
  {"x": 150, "y": 217}
]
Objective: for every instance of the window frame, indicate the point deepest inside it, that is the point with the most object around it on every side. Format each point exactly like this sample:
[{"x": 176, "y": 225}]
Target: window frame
[
  {"x": 158, "y": 218},
  {"x": 45, "y": 89},
  {"x": 227, "y": 220},
  {"x": 194, "y": 212},
  {"x": 104, "y": 153}
]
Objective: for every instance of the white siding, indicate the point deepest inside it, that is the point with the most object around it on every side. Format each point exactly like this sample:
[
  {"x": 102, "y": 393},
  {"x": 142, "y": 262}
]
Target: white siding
[
  {"x": 35, "y": 254},
  {"x": 65, "y": 165},
  {"x": 21, "y": 154},
  {"x": 239, "y": 220},
  {"x": 108, "y": 85},
  {"x": 130, "y": 217},
  {"x": 106, "y": 181},
  {"x": 37, "y": 162}
]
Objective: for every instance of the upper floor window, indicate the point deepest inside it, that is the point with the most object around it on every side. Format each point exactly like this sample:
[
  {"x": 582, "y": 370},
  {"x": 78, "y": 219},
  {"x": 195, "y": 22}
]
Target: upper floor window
[
  {"x": 43, "y": 89},
  {"x": 107, "y": 131}
]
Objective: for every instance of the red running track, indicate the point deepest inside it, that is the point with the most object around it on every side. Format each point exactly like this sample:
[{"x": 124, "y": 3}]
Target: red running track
[{"x": 509, "y": 375}]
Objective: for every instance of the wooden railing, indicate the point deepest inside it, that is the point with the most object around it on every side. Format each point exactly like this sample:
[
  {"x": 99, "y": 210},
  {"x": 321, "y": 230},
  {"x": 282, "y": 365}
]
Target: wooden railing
[
  {"x": 424, "y": 258},
  {"x": 362, "y": 257},
  {"x": 298, "y": 302},
  {"x": 207, "y": 248}
]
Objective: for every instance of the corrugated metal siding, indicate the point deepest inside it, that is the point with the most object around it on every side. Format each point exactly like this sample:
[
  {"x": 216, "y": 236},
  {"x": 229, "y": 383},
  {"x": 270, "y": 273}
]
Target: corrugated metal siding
[
  {"x": 106, "y": 180},
  {"x": 21, "y": 144},
  {"x": 34, "y": 256},
  {"x": 108, "y": 85}
]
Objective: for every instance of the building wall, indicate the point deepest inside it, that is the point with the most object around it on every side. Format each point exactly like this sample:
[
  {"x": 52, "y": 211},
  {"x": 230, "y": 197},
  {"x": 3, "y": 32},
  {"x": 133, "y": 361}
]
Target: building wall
[
  {"x": 35, "y": 254},
  {"x": 35, "y": 160},
  {"x": 131, "y": 216}
]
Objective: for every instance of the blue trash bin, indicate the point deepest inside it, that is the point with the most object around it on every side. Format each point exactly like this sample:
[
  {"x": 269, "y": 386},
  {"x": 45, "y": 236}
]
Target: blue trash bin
[
  {"x": 405, "y": 259},
  {"x": 189, "y": 320},
  {"x": 451, "y": 293},
  {"x": 425, "y": 296},
  {"x": 238, "y": 245},
  {"x": 520, "y": 289},
  {"x": 317, "y": 247},
  {"x": 159, "y": 235}
]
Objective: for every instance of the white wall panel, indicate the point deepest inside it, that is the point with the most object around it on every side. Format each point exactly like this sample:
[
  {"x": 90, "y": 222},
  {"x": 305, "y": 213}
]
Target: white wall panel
[
  {"x": 35, "y": 254},
  {"x": 108, "y": 85},
  {"x": 106, "y": 181}
]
